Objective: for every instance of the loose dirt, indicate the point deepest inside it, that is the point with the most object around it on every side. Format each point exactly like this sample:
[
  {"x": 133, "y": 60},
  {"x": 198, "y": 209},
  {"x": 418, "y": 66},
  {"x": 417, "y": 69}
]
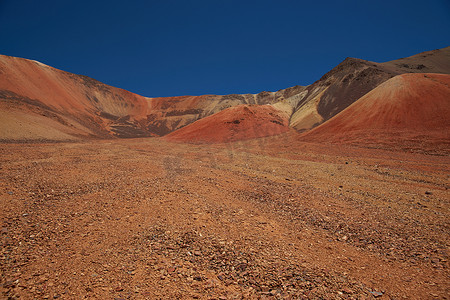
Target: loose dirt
[{"x": 263, "y": 219}]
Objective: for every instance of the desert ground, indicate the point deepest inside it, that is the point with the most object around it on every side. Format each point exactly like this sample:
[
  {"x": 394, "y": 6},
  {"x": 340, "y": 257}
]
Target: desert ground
[{"x": 269, "y": 218}]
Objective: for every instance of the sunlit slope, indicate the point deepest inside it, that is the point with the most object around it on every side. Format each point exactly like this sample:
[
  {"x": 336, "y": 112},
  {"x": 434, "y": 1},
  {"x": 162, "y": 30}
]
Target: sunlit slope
[
  {"x": 409, "y": 108},
  {"x": 237, "y": 123}
]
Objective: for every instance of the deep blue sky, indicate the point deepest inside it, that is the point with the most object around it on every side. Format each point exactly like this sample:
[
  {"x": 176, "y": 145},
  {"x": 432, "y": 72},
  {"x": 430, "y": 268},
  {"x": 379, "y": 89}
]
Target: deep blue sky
[{"x": 189, "y": 47}]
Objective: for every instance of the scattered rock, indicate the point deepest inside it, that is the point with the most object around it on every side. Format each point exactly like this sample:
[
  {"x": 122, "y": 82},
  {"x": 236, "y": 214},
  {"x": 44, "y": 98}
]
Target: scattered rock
[{"x": 204, "y": 257}]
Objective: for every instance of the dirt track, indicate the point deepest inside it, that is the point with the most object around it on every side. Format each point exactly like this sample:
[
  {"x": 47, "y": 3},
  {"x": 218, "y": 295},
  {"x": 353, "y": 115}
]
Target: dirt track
[{"x": 144, "y": 218}]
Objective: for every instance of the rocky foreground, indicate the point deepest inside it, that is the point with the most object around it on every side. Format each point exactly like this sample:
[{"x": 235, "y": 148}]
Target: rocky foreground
[{"x": 146, "y": 218}]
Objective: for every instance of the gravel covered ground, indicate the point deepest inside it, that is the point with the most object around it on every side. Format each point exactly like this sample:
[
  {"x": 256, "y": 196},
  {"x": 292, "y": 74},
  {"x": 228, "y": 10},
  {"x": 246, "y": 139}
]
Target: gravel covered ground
[{"x": 264, "y": 219}]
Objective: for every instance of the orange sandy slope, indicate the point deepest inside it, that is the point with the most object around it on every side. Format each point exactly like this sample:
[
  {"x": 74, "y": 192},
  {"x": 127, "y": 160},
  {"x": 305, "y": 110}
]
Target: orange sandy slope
[
  {"x": 235, "y": 123},
  {"x": 76, "y": 101},
  {"x": 405, "y": 107}
]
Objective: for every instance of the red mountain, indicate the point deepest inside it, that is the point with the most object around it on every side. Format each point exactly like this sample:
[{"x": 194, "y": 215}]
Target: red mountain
[{"x": 407, "y": 109}]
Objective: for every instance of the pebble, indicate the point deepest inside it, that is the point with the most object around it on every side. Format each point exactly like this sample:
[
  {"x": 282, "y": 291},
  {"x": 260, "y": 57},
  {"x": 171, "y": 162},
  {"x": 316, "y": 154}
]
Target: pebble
[
  {"x": 347, "y": 291},
  {"x": 376, "y": 294}
]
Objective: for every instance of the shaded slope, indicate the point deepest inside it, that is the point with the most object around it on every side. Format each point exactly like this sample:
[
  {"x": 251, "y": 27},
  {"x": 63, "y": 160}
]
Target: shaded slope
[
  {"x": 233, "y": 124},
  {"x": 409, "y": 109},
  {"x": 352, "y": 79}
]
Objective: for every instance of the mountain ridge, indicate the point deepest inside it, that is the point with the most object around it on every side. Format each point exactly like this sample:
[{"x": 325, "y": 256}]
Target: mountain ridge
[{"x": 40, "y": 102}]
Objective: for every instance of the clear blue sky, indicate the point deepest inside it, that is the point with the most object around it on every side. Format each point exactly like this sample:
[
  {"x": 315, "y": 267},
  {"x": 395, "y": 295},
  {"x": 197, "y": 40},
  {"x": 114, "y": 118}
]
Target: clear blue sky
[{"x": 189, "y": 47}]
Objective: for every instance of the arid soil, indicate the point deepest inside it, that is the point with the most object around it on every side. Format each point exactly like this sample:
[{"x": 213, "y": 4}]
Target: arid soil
[{"x": 268, "y": 218}]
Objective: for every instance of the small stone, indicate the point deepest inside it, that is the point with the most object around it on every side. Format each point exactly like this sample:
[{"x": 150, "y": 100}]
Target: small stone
[
  {"x": 197, "y": 253},
  {"x": 347, "y": 291},
  {"x": 9, "y": 284},
  {"x": 376, "y": 294},
  {"x": 4, "y": 230},
  {"x": 428, "y": 193}
]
